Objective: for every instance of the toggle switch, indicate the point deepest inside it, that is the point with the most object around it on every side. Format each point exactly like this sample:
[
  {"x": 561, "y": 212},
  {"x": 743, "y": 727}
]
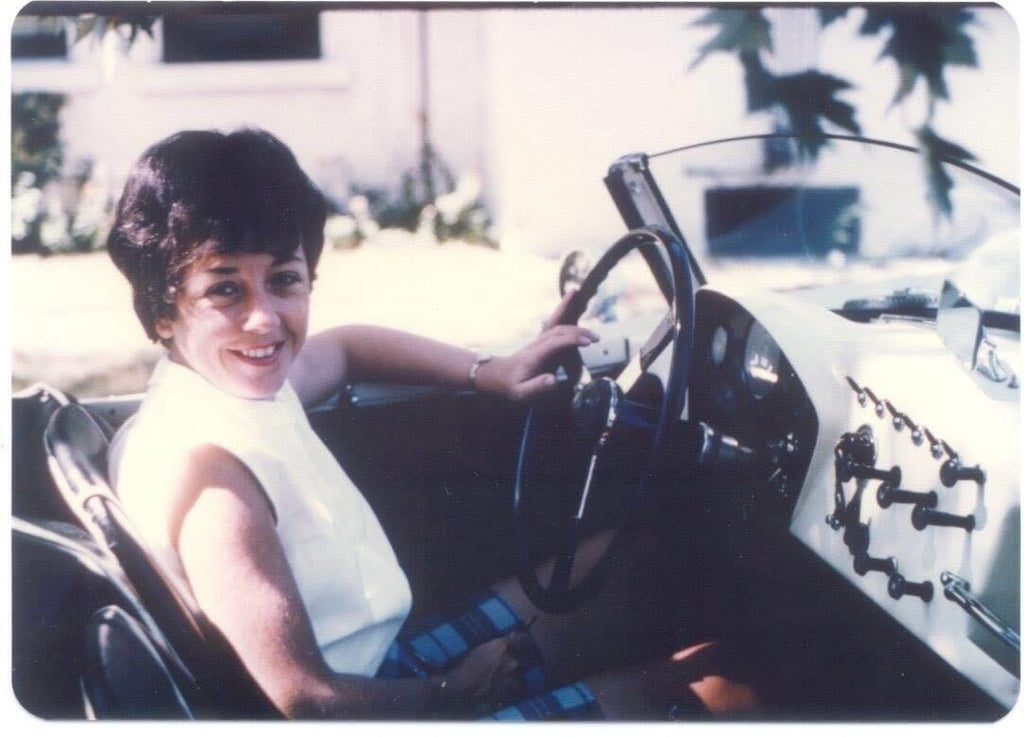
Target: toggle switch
[
  {"x": 862, "y": 563},
  {"x": 849, "y": 469},
  {"x": 923, "y": 517},
  {"x": 887, "y": 496},
  {"x": 952, "y": 471},
  {"x": 900, "y": 587}
]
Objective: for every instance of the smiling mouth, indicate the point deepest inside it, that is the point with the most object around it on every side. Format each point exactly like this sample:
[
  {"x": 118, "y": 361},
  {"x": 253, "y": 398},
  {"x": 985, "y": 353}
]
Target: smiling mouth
[{"x": 260, "y": 356}]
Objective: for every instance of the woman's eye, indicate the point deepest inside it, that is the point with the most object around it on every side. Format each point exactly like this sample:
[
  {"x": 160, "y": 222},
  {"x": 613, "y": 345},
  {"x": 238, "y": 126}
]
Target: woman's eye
[
  {"x": 285, "y": 279},
  {"x": 222, "y": 291}
]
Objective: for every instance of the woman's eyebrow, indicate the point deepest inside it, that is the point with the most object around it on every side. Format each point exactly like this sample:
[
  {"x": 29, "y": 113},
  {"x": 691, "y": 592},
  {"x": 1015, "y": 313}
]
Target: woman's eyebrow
[
  {"x": 282, "y": 260},
  {"x": 223, "y": 270}
]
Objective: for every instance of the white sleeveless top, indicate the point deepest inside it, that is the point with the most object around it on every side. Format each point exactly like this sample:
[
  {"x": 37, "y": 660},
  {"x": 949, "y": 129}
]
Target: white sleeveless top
[{"x": 354, "y": 591}]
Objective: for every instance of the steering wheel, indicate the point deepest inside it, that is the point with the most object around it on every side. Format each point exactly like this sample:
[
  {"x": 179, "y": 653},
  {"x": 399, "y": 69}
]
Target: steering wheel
[{"x": 599, "y": 408}]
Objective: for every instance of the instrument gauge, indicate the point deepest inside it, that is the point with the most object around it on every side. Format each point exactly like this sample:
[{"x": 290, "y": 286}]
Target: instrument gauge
[
  {"x": 719, "y": 343},
  {"x": 761, "y": 359}
]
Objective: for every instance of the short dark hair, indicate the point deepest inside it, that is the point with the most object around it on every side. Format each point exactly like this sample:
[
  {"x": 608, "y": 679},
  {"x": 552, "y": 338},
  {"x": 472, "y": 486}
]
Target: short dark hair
[{"x": 198, "y": 193}]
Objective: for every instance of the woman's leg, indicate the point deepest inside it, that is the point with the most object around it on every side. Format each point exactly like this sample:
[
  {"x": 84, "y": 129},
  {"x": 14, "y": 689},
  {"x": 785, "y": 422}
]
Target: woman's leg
[
  {"x": 699, "y": 681},
  {"x": 640, "y": 614},
  {"x": 695, "y": 683}
]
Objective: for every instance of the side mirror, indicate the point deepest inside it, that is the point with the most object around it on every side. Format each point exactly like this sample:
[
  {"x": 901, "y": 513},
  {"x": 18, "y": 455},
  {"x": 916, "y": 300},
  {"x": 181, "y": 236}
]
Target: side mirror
[
  {"x": 958, "y": 323},
  {"x": 575, "y": 267}
]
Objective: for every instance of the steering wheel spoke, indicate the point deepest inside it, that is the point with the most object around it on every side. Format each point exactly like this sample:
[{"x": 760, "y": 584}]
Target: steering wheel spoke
[
  {"x": 649, "y": 351},
  {"x": 637, "y": 415},
  {"x": 598, "y": 409}
]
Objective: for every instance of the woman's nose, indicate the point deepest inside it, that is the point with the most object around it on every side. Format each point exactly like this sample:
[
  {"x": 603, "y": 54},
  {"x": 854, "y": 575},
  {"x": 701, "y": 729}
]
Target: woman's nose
[{"x": 262, "y": 315}]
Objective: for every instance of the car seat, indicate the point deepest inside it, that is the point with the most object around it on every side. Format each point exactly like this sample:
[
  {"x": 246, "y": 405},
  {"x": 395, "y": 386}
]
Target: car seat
[
  {"x": 213, "y": 682},
  {"x": 63, "y": 649}
]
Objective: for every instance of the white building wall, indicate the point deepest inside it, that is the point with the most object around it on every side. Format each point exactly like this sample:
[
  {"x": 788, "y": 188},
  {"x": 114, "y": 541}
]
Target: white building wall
[
  {"x": 570, "y": 90},
  {"x": 538, "y": 102}
]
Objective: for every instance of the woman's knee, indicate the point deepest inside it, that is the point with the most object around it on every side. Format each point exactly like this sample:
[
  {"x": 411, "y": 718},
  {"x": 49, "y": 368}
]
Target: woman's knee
[{"x": 718, "y": 678}]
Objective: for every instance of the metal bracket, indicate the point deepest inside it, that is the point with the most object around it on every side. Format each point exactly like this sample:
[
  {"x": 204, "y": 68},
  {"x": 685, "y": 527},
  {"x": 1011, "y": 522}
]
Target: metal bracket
[{"x": 958, "y": 591}]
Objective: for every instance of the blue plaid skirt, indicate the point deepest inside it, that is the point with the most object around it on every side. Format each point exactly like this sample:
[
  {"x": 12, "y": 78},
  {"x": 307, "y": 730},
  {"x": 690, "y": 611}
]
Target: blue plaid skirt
[{"x": 431, "y": 646}]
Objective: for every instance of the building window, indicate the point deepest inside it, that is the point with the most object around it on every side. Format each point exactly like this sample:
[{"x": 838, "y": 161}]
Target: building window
[
  {"x": 241, "y": 37},
  {"x": 33, "y": 37},
  {"x": 789, "y": 221}
]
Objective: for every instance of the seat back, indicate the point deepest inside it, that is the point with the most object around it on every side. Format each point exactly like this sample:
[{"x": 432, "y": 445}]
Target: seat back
[
  {"x": 125, "y": 675},
  {"x": 76, "y": 444},
  {"x": 60, "y": 579},
  {"x": 34, "y": 495}
]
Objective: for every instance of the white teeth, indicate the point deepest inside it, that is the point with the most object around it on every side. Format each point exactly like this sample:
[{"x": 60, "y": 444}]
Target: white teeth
[{"x": 259, "y": 352}]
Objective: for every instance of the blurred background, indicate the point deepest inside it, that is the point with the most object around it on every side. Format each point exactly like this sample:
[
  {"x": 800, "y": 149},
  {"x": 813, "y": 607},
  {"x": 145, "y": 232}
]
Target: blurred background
[{"x": 462, "y": 149}]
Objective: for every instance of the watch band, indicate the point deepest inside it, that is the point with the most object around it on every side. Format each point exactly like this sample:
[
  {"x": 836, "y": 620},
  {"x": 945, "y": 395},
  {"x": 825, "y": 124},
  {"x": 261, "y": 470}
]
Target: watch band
[{"x": 481, "y": 359}]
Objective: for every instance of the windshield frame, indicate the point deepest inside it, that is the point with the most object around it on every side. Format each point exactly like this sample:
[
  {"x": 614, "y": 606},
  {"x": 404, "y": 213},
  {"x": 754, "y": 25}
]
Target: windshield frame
[{"x": 640, "y": 202}]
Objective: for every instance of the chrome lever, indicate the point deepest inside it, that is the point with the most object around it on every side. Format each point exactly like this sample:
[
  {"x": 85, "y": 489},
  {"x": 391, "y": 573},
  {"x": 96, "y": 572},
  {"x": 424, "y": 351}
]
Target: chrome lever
[{"x": 958, "y": 591}]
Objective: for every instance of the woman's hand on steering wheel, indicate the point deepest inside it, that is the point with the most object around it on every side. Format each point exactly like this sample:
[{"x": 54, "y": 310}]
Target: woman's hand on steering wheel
[{"x": 527, "y": 373}]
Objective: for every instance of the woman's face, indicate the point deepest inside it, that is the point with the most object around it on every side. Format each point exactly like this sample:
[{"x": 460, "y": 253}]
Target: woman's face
[{"x": 241, "y": 320}]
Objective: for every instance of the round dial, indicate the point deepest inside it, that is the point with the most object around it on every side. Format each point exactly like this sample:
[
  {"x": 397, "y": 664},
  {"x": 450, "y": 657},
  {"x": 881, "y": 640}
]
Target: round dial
[{"x": 761, "y": 361}]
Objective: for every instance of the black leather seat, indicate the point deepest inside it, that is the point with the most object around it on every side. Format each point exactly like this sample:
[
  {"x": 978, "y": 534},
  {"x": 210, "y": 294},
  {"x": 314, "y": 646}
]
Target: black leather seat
[
  {"x": 71, "y": 658},
  {"x": 209, "y": 674}
]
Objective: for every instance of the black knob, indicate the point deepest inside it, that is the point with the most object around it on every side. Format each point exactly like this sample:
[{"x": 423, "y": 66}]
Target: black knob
[
  {"x": 951, "y": 472},
  {"x": 879, "y": 407},
  {"x": 934, "y": 444},
  {"x": 863, "y": 563},
  {"x": 915, "y": 432},
  {"x": 897, "y": 416},
  {"x": 848, "y": 470},
  {"x": 862, "y": 397},
  {"x": 922, "y": 517},
  {"x": 900, "y": 587},
  {"x": 888, "y": 496}
]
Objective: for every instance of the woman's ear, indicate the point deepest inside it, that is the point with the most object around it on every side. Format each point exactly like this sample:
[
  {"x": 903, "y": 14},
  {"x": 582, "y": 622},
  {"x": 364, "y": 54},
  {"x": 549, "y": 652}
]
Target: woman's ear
[{"x": 164, "y": 329}]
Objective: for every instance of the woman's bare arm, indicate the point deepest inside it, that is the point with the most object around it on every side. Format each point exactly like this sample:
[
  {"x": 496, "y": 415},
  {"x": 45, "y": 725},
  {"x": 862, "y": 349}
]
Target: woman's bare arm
[
  {"x": 364, "y": 352},
  {"x": 236, "y": 567}
]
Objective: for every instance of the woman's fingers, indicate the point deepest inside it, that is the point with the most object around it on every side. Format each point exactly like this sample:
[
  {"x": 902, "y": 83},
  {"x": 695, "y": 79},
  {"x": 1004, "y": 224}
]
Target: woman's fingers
[
  {"x": 563, "y": 336},
  {"x": 533, "y": 387},
  {"x": 526, "y": 383},
  {"x": 556, "y": 316}
]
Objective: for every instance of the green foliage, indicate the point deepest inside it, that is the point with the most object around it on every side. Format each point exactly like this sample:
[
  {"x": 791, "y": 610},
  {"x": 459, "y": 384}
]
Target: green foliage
[
  {"x": 738, "y": 31},
  {"x": 428, "y": 199},
  {"x": 50, "y": 213},
  {"x": 809, "y": 97},
  {"x": 933, "y": 151},
  {"x": 126, "y": 26},
  {"x": 922, "y": 40},
  {"x": 36, "y": 148},
  {"x": 805, "y": 98},
  {"x": 417, "y": 190}
]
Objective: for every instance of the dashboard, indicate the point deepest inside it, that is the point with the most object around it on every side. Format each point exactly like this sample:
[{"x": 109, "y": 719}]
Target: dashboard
[
  {"x": 743, "y": 385},
  {"x": 893, "y": 468}
]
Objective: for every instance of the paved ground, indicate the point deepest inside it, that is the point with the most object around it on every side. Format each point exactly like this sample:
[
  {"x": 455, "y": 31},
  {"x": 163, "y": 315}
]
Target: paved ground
[{"x": 73, "y": 325}]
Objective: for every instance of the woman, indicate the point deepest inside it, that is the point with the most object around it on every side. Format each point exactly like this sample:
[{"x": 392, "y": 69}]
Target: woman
[{"x": 219, "y": 236}]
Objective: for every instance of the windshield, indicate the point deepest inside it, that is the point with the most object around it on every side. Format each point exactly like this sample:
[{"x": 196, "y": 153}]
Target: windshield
[{"x": 856, "y": 224}]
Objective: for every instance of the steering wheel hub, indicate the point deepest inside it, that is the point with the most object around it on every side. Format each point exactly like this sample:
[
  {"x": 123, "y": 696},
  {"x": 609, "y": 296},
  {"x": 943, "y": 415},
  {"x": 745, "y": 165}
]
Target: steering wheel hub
[{"x": 593, "y": 409}]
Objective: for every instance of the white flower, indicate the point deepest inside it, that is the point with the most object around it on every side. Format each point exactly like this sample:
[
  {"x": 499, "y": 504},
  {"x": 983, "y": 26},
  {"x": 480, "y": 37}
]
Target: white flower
[
  {"x": 91, "y": 210},
  {"x": 25, "y": 208},
  {"x": 836, "y": 258},
  {"x": 359, "y": 206},
  {"x": 339, "y": 228},
  {"x": 25, "y": 181},
  {"x": 466, "y": 191},
  {"x": 54, "y": 232}
]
